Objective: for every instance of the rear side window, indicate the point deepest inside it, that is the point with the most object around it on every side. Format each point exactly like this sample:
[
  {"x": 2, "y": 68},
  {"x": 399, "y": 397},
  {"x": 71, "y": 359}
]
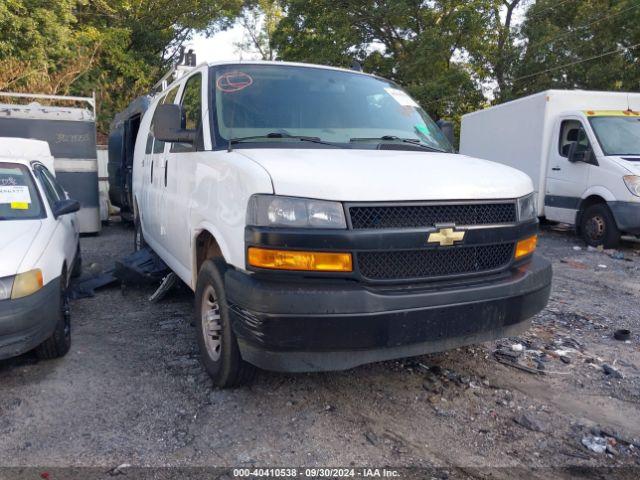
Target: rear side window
[
  {"x": 48, "y": 187},
  {"x": 191, "y": 103},
  {"x": 156, "y": 146},
  {"x": 19, "y": 197}
]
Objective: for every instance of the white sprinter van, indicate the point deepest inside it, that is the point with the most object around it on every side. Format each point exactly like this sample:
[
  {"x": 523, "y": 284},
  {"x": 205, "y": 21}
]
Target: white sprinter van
[
  {"x": 582, "y": 150},
  {"x": 323, "y": 221}
]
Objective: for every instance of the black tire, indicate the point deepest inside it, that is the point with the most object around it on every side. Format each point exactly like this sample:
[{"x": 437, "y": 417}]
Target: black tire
[
  {"x": 138, "y": 236},
  {"x": 219, "y": 350},
  {"x": 59, "y": 343},
  {"x": 598, "y": 227},
  {"x": 77, "y": 264}
]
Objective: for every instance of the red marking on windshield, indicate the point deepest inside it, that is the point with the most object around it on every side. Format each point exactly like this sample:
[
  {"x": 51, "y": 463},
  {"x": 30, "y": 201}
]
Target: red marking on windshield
[{"x": 233, "y": 82}]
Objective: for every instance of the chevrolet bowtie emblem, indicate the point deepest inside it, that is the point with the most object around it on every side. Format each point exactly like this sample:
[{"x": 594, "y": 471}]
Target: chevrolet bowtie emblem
[{"x": 445, "y": 237}]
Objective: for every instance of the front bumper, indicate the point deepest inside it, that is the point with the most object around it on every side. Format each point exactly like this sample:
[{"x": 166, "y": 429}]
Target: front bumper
[
  {"x": 627, "y": 216},
  {"x": 26, "y": 322},
  {"x": 322, "y": 324}
]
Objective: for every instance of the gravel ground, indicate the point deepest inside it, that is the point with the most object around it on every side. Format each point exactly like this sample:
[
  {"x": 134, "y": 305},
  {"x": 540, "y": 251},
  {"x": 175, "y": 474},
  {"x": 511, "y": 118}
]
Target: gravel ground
[{"x": 132, "y": 391}]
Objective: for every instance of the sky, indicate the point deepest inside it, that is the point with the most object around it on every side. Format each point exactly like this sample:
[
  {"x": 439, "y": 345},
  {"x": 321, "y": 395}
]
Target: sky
[{"x": 221, "y": 46}]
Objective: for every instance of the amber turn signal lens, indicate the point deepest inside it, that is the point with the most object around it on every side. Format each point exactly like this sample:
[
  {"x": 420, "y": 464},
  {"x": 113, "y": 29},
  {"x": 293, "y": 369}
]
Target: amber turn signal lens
[
  {"x": 526, "y": 247},
  {"x": 296, "y": 260}
]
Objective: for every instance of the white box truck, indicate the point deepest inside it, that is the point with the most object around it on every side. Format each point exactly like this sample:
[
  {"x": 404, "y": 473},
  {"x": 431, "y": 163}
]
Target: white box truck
[{"x": 580, "y": 148}]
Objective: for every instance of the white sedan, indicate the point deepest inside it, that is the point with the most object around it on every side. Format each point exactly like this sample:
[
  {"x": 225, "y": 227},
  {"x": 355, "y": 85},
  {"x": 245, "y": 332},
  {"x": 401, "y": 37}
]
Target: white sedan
[{"x": 39, "y": 252}]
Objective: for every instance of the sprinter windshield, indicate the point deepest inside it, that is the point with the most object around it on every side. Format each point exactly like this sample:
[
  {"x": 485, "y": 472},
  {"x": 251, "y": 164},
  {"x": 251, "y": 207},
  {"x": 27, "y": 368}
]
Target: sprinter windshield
[
  {"x": 282, "y": 105},
  {"x": 19, "y": 199},
  {"x": 617, "y": 135}
]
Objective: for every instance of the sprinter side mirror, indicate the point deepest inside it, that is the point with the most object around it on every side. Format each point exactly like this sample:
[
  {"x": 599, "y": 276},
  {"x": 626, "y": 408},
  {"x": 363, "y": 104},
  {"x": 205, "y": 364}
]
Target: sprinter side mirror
[
  {"x": 579, "y": 153},
  {"x": 65, "y": 207},
  {"x": 168, "y": 125},
  {"x": 447, "y": 129}
]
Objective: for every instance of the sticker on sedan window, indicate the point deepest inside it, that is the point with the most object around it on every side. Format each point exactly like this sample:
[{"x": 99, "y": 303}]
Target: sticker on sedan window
[
  {"x": 19, "y": 206},
  {"x": 14, "y": 194},
  {"x": 401, "y": 97}
]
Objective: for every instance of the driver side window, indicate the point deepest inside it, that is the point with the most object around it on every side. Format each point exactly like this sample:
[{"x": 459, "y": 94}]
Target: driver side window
[
  {"x": 191, "y": 113},
  {"x": 572, "y": 131}
]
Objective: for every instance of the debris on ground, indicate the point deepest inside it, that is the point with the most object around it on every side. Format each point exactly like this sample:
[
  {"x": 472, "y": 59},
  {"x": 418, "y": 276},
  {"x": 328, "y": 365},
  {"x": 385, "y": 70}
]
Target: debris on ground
[
  {"x": 609, "y": 370},
  {"x": 530, "y": 423},
  {"x": 595, "y": 444},
  {"x": 622, "y": 334}
]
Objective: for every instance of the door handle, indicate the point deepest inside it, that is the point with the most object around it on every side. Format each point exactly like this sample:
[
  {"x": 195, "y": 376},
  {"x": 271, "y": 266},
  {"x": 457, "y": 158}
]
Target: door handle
[
  {"x": 165, "y": 173},
  {"x": 556, "y": 169}
]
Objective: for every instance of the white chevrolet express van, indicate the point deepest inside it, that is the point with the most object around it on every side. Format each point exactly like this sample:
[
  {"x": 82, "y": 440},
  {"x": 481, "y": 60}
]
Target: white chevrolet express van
[
  {"x": 323, "y": 221},
  {"x": 582, "y": 150}
]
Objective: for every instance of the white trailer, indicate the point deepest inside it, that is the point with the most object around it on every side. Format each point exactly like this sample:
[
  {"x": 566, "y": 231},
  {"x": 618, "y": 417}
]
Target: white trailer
[
  {"x": 71, "y": 135},
  {"x": 580, "y": 148}
]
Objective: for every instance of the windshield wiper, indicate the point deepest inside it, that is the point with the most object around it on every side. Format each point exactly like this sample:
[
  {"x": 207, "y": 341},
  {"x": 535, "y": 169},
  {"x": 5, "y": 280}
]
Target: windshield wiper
[
  {"x": 394, "y": 138},
  {"x": 302, "y": 138}
]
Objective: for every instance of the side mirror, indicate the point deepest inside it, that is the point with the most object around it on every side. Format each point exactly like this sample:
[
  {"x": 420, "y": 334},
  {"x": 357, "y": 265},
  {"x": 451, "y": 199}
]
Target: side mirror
[
  {"x": 576, "y": 154},
  {"x": 167, "y": 125},
  {"x": 447, "y": 129},
  {"x": 64, "y": 207}
]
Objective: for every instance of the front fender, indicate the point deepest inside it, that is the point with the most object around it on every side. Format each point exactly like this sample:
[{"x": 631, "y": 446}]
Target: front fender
[{"x": 600, "y": 191}]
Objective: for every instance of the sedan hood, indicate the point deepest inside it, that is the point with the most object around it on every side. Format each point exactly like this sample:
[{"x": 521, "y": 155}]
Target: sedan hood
[
  {"x": 16, "y": 238},
  {"x": 387, "y": 175}
]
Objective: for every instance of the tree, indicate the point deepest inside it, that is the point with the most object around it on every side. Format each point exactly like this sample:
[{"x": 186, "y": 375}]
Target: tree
[
  {"x": 40, "y": 48},
  {"x": 424, "y": 46},
  {"x": 117, "y": 48},
  {"x": 589, "y": 44},
  {"x": 260, "y": 21}
]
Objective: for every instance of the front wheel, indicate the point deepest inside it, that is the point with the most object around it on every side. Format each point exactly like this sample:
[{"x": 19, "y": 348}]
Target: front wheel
[
  {"x": 59, "y": 343},
  {"x": 598, "y": 227},
  {"x": 219, "y": 350}
]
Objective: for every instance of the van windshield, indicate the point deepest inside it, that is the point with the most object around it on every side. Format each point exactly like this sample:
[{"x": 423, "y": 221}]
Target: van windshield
[
  {"x": 280, "y": 104},
  {"x": 19, "y": 199},
  {"x": 617, "y": 135}
]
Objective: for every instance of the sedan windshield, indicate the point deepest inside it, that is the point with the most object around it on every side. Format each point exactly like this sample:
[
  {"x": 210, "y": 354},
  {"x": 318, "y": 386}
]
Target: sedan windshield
[
  {"x": 316, "y": 107},
  {"x": 617, "y": 135},
  {"x": 19, "y": 199}
]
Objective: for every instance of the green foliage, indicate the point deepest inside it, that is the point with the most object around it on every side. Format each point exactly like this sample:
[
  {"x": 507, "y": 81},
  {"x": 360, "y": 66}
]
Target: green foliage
[
  {"x": 117, "y": 48},
  {"x": 562, "y": 41},
  {"x": 260, "y": 21}
]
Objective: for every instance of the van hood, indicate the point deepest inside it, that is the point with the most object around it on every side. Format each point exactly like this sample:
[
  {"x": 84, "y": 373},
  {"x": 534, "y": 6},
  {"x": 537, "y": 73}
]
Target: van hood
[
  {"x": 630, "y": 163},
  {"x": 16, "y": 237},
  {"x": 387, "y": 175}
]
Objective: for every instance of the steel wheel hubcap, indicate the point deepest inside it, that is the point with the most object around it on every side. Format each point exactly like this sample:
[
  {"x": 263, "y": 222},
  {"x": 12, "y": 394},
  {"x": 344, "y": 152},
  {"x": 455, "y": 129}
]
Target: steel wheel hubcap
[
  {"x": 211, "y": 326},
  {"x": 596, "y": 227}
]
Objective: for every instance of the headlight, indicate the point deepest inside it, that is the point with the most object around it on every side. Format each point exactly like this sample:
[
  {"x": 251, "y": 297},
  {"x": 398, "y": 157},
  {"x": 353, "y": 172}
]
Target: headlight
[
  {"x": 527, "y": 208},
  {"x": 633, "y": 184},
  {"x": 26, "y": 283},
  {"x": 6, "y": 284},
  {"x": 276, "y": 211}
]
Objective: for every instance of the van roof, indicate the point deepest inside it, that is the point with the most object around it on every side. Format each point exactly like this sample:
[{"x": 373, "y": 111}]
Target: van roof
[
  {"x": 24, "y": 151},
  {"x": 290, "y": 64},
  {"x": 264, "y": 62}
]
